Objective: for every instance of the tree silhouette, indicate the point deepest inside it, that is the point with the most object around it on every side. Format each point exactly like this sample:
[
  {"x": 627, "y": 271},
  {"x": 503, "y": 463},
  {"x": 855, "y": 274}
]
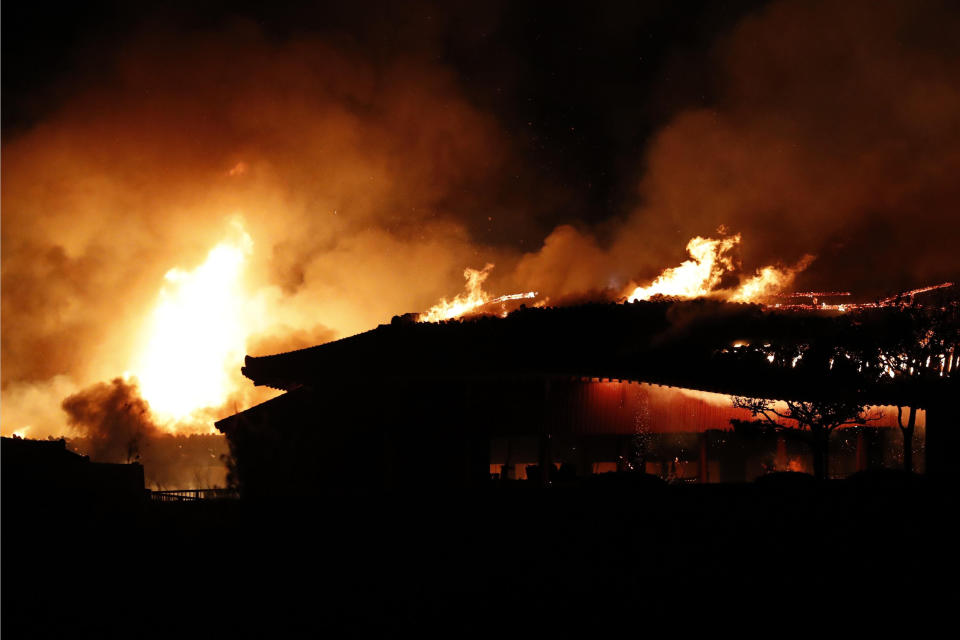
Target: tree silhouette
[
  {"x": 816, "y": 421},
  {"x": 910, "y": 346}
]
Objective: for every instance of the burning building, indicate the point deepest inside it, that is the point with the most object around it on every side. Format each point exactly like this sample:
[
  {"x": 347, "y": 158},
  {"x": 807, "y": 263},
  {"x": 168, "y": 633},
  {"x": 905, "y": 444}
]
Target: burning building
[{"x": 543, "y": 394}]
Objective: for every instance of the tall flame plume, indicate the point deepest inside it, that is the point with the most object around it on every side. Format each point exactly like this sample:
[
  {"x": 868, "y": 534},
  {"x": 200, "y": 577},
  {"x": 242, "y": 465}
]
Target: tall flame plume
[{"x": 197, "y": 333}]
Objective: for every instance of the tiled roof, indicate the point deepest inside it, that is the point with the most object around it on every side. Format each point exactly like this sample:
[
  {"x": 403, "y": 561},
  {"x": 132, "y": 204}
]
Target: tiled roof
[{"x": 672, "y": 343}]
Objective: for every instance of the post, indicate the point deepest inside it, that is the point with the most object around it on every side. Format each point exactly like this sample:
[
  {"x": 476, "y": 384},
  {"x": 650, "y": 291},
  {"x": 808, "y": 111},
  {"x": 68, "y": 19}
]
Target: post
[
  {"x": 861, "y": 452},
  {"x": 780, "y": 460},
  {"x": 943, "y": 440},
  {"x": 703, "y": 475},
  {"x": 546, "y": 458}
]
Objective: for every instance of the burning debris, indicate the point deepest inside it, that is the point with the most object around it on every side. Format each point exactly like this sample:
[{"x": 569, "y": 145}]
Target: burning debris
[
  {"x": 817, "y": 302},
  {"x": 907, "y": 297}
]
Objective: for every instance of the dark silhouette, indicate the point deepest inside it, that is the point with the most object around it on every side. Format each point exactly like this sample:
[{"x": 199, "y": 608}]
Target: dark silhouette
[
  {"x": 910, "y": 347},
  {"x": 447, "y": 390},
  {"x": 373, "y": 471},
  {"x": 43, "y": 473},
  {"x": 815, "y": 422}
]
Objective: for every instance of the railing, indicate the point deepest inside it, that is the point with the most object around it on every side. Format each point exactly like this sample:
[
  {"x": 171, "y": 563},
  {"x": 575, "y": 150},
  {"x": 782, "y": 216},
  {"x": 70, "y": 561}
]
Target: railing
[{"x": 193, "y": 495}]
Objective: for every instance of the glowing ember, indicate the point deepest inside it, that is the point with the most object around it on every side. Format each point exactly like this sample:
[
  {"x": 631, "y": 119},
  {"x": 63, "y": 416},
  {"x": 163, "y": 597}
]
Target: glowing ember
[
  {"x": 797, "y": 465},
  {"x": 472, "y": 299},
  {"x": 196, "y": 334},
  {"x": 710, "y": 262}
]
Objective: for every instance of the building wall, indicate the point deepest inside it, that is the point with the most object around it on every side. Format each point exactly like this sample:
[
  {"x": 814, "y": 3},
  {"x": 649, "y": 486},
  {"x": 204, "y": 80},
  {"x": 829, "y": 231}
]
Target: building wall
[{"x": 450, "y": 432}]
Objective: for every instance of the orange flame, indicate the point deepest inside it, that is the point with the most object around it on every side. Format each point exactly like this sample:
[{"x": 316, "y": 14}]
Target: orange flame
[
  {"x": 768, "y": 281},
  {"x": 197, "y": 334},
  {"x": 710, "y": 262},
  {"x": 696, "y": 277},
  {"x": 472, "y": 299}
]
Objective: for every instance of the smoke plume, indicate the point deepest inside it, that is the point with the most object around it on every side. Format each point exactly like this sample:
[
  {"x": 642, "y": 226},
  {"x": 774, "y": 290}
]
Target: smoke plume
[
  {"x": 113, "y": 418},
  {"x": 835, "y": 132},
  {"x": 110, "y": 422},
  {"x": 357, "y": 182},
  {"x": 832, "y": 130}
]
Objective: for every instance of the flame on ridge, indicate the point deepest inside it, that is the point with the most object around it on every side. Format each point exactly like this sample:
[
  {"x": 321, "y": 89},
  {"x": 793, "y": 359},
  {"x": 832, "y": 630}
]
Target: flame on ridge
[
  {"x": 711, "y": 260},
  {"x": 696, "y": 277},
  {"x": 471, "y": 299},
  {"x": 199, "y": 327}
]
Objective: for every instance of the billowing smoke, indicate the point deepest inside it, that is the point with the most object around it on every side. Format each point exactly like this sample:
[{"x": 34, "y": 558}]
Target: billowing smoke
[
  {"x": 113, "y": 418},
  {"x": 110, "y": 422},
  {"x": 832, "y": 130},
  {"x": 835, "y": 132},
  {"x": 356, "y": 181}
]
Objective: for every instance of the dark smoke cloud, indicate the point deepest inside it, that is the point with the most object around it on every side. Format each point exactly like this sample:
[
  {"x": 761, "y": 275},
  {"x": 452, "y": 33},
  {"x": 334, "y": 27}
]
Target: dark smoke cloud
[
  {"x": 110, "y": 422},
  {"x": 113, "y": 418}
]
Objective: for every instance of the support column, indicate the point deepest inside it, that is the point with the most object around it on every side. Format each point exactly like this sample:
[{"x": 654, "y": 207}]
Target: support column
[
  {"x": 546, "y": 442},
  {"x": 478, "y": 460},
  {"x": 546, "y": 459},
  {"x": 943, "y": 440},
  {"x": 703, "y": 474},
  {"x": 861, "y": 452},
  {"x": 780, "y": 460}
]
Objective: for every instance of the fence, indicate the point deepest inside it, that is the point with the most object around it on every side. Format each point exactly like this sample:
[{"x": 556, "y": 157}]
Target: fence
[{"x": 193, "y": 495}]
